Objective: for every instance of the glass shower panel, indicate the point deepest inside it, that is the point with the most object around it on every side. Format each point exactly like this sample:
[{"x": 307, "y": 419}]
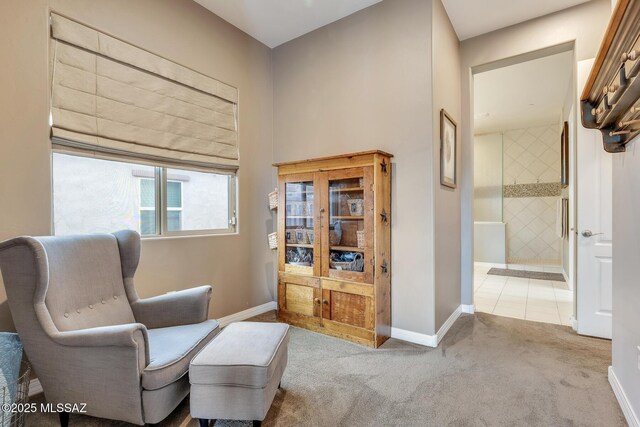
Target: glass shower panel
[{"x": 488, "y": 178}]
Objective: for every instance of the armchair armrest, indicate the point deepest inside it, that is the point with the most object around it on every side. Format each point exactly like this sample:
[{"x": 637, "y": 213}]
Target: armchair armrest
[
  {"x": 175, "y": 308},
  {"x": 127, "y": 335}
]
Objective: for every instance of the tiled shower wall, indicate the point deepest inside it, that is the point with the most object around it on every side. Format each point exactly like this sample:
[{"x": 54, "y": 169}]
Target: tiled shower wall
[{"x": 532, "y": 156}]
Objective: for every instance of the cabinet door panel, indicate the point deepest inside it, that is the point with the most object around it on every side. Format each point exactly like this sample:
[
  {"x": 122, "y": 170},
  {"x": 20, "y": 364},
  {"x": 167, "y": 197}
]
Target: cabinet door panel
[
  {"x": 350, "y": 304},
  {"x": 347, "y": 224},
  {"x": 345, "y": 308},
  {"x": 298, "y": 224},
  {"x": 299, "y": 298}
]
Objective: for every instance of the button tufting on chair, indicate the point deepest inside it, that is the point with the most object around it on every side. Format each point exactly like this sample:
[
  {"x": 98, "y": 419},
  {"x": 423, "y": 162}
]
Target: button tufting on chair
[
  {"x": 90, "y": 306},
  {"x": 78, "y": 311},
  {"x": 66, "y": 315}
]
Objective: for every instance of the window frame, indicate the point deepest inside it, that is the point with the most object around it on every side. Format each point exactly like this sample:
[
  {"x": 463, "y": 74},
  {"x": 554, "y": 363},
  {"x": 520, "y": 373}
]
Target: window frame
[
  {"x": 160, "y": 178},
  {"x": 172, "y": 209},
  {"x": 164, "y": 229},
  {"x": 144, "y": 208}
]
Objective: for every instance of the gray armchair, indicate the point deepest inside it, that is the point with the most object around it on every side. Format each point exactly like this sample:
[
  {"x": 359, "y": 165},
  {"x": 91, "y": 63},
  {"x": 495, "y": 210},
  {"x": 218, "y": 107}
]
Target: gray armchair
[{"x": 88, "y": 335}]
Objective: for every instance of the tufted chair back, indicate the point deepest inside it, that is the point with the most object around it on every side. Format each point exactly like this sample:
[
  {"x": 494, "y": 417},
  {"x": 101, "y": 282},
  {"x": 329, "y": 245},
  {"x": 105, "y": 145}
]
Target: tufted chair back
[{"x": 85, "y": 288}]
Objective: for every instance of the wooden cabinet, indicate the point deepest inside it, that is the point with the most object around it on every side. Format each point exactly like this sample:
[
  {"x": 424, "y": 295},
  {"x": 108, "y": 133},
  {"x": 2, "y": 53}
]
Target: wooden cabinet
[{"x": 334, "y": 245}]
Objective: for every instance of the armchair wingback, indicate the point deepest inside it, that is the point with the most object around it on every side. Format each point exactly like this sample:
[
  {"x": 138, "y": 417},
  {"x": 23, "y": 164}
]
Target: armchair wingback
[{"x": 89, "y": 336}]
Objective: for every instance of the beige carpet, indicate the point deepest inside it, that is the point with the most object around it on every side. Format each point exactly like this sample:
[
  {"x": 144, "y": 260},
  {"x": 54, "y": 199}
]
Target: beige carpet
[{"x": 488, "y": 371}]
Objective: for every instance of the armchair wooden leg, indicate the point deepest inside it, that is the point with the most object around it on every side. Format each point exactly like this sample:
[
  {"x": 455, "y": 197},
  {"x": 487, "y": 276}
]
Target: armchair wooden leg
[
  {"x": 206, "y": 423},
  {"x": 257, "y": 423},
  {"x": 64, "y": 419}
]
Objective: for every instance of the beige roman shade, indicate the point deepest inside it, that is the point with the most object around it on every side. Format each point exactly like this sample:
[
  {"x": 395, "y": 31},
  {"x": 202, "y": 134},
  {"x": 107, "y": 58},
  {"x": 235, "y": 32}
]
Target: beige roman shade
[{"x": 113, "y": 98}]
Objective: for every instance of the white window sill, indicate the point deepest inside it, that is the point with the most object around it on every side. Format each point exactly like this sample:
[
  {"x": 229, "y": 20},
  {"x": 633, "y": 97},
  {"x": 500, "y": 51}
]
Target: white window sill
[{"x": 189, "y": 236}]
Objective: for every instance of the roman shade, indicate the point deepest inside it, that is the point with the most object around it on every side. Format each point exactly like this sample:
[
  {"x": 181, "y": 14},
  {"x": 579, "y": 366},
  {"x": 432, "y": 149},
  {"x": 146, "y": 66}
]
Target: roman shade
[{"x": 115, "y": 99}]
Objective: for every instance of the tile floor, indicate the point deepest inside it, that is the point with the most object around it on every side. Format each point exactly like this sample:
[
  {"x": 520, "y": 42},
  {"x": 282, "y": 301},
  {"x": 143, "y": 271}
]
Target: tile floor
[{"x": 527, "y": 299}]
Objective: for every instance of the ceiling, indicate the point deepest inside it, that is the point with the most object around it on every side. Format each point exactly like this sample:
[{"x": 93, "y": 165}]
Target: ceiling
[
  {"x": 521, "y": 95},
  {"x": 471, "y": 18},
  {"x": 274, "y": 22}
]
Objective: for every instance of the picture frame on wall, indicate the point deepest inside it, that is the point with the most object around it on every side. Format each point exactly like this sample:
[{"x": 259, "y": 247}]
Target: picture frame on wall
[
  {"x": 564, "y": 154},
  {"x": 448, "y": 150}
]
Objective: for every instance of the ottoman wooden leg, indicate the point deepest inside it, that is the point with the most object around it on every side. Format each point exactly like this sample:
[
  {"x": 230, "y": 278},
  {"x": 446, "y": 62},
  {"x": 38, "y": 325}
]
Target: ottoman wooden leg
[
  {"x": 64, "y": 419},
  {"x": 257, "y": 423},
  {"x": 206, "y": 423}
]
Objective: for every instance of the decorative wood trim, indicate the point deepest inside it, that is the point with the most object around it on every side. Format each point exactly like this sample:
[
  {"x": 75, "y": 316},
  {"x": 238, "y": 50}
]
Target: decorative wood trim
[
  {"x": 351, "y": 288},
  {"x": 298, "y": 269},
  {"x": 323, "y": 185},
  {"x": 337, "y": 156},
  {"x": 382, "y": 246},
  {"x": 282, "y": 210},
  {"x": 312, "y": 282},
  {"x": 605, "y": 46},
  {"x": 318, "y": 241},
  {"x": 369, "y": 219},
  {"x": 609, "y": 101}
]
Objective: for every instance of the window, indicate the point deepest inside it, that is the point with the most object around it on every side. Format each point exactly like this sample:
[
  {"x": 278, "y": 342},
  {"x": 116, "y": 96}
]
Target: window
[
  {"x": 147, "y": 206},
  {"x": 101, "y": 196}
]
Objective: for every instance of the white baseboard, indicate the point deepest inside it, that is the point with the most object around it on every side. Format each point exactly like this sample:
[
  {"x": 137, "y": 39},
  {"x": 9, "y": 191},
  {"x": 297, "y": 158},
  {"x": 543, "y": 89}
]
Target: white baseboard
[
  {"x": 248, "y": 313},
  {"x": 448, "y": 323},
  {"x": 623, "y": 400},
  {"x": 414, "y": 337},
  {"x": 574, "y": 323},
  {"x": 468, "y": 308},
  {"x": 430, "y": 340},
  {"x": 35, "y": 387}
]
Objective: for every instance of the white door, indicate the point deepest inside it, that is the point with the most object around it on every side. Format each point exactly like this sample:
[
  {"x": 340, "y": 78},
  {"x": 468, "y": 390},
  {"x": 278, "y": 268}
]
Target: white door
[{"x": 594, "y": 227}]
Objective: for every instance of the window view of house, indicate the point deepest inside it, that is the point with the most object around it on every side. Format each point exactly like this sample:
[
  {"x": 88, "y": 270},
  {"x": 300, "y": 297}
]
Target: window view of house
[{"x": 101, "y": 196}]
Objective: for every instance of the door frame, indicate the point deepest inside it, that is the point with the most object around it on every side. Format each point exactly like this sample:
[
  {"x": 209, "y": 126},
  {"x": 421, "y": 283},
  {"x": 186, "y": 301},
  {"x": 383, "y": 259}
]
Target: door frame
[{"x": 467, "y": 178}]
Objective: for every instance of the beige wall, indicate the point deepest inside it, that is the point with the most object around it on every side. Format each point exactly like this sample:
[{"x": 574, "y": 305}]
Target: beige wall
[
  {"x": 360, "y": 83},
  {"x": 582, "y": 25},
  {"x": 240, "y": 267},
  {"x": 446, "y": 201},
  {"x": 626, "y": 270}
]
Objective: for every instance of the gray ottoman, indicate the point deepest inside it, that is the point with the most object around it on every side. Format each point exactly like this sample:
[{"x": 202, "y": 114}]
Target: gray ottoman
[{"x": 236, "y": 376}]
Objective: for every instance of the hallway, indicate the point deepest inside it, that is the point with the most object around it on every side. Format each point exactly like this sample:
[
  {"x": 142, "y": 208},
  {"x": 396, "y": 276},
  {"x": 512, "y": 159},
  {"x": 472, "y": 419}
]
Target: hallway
[{"x": 521, "y": 298}]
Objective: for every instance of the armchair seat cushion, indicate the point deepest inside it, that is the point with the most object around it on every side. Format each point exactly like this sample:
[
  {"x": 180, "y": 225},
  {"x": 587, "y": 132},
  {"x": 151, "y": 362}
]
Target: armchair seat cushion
[{"x": 172, "y": 348}]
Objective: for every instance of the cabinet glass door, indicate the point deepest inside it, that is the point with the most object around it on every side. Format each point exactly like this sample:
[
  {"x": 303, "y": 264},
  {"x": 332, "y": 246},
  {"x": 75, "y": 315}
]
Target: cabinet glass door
[
  {"x": 348, "y": 225},
  {"x": 299, "y": 211}
]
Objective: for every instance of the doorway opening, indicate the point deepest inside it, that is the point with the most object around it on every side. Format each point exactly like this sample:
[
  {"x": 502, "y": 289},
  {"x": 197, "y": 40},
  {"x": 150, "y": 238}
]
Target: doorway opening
[{"x": 523, "y": 203}]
